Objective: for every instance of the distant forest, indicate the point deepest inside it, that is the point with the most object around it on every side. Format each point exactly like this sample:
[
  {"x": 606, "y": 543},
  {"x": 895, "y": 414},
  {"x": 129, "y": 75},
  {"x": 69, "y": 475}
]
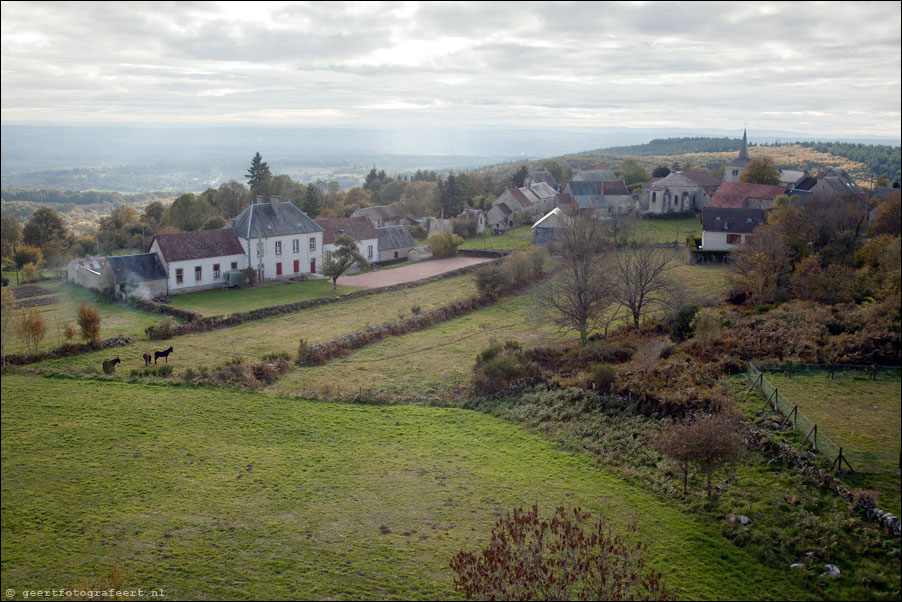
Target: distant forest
[
  {"x": 879, "y": 158},
  {"x": 81, "y": 197}
]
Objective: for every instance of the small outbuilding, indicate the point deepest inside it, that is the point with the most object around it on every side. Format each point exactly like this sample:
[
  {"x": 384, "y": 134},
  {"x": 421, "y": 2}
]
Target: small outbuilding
[
  {"x": 141, "y": 275},
  {"x": 395, "y": 242},
  {"x": 420, "y": 253}
]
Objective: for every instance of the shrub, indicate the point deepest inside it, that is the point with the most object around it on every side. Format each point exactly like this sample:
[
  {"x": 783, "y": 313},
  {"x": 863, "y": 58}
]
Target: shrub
[
  {"x": 31, "y": 329},
  {"x": 303, "y": 350},
  {"x": 602, "y": 378},
  {"x": 680, "y": 326},
  {"x": 415, "y": 310},
  {"x": 164, "y": 329},
  {"x": 89, "y": 323},
  {"x": 29, "y": 272},
  {"x": 491, "y": 280},
  {"x": 249, "y": 276},
  {"x": 517, "y": 267},
  {"x": 537, "y": 257},
  {"x": 70, "y": 331},
  {"x": 706, "y": 325},
  {"x": 445, "y": 244},
  {"x": 565, "y": 558},
  {"x": 499, "y": 365}
]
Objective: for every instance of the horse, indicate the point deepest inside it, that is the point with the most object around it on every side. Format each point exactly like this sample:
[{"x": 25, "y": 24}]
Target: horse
[
  {"x": 147, "y": 357},
  {"x": 162, "y": 354},
  {"x": 110, "y": 365}
]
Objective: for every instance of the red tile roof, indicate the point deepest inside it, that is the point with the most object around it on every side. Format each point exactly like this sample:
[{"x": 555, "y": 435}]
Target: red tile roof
[
  {"x": 734, "y": 194},
  {"x": 518, "y": 194}
]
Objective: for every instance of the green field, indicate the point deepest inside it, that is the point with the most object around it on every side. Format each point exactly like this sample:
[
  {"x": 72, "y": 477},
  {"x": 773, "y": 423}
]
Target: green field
[
  {"x": 221, "y": 495},
  {"x": 667, "y": 230},
  {"x": 515, "y": 238},
  {"x": 862, "y": 416},
  {"x": 116, "y": 318},
  {"x": 254, "y": 339},
  {"x": 227, "y": 301}
]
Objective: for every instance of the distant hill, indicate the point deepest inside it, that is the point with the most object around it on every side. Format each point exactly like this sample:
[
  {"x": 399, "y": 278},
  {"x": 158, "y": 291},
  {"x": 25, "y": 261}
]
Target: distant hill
[{"x": 673, "y": 146}]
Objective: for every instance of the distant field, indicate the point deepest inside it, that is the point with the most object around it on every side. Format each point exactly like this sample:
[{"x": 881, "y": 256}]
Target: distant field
[
  {"x": 862, "y": 416},
  {"x": 62, "y": 303},
  {"x": 226, "y": 301},
  {"x": 667, "y": 230},
  {"x": 515, "y": 238},
  {"x": 222, "y": 495}
]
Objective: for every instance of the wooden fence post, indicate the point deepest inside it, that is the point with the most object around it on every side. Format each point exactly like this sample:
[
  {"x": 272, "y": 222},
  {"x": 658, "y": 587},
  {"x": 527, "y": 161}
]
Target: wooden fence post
[{"x": 792, "y": 413}]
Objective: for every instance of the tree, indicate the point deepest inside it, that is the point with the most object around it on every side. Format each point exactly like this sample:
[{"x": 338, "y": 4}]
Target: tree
[
  {"x": 7, "y": 317},
  {"x": 761, "y": 170},
  {"x": 661, "y": 171},
  {"x": 450, "y": 196},
  {"x": 216, "y": 222},
  {"x": 445, "y": 244},
  {"x": 710, "y": 442},
  {"x": 342, "y": 259},
  {"x": 706, "y": 324},
  {"x": 10, "y": 233},
  {"x": 579, "y": 293},
  {"x": 258, "y": 172},
  {"x": 44, "y": 226},
  {"x": 564, "y": 558},
  {"x": 153, "y": 214},
  {"x": 674, "y": 444},
  {"x": 27, "y": 254},
  {"x": 640, "y": 279},
  {"x": 518, "y": 179},
  {"x": 889, "y": 217},
  {"x": 189, "y": 212},
  {"x": 311, "y": 201},
  {"x": 633, "y": 172},
  {"x": 89, "y": 323},
  {"x": 31, "y": 329}
]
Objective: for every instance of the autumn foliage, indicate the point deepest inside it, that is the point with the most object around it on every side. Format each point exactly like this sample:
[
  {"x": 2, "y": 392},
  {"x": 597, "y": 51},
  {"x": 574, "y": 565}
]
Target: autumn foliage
[{"x": 562, "y": 558}]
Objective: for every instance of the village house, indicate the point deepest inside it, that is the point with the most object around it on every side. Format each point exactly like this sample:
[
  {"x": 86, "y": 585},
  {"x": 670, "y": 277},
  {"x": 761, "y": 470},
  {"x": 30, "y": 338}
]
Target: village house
[
  {"x": 359, "y": 228},
  {"x": 395, "y": 242},
  {"x": 680, "y": 191},
  {"x": 505, "y": 210},
  {"x": 739, "y": 195},
  {"x": 541, "y": 175},
  {"x": 142, "y": 275},
  {"x": 196, "y": 261},
  {"x": 594, "y": 175},
  {"x": 395, "y": 214},
  {"x": 279, "y": 239},
  {"x": 85, "y": 271},
  {"x": 725, "y": 228},
  {"x": 592, "y": 198},
  {"x": 548, "y": 231}
]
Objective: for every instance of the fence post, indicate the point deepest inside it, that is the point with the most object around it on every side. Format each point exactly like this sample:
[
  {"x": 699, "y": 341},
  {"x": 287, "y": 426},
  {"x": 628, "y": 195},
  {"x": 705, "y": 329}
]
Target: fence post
[
  {"x": 814, "y": 441},
  {"x": 789, "y": 375},
  {"x": 792, "y": 412}
]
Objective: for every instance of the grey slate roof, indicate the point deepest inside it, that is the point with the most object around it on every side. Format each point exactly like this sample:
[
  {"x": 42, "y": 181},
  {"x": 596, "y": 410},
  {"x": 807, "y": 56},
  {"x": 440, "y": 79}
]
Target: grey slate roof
[
  {"x": 261, "y": 221},
  {"x": 394, "y": 237},
  {"x": 595, "y": 175},
  {"x": 723, "y": 219},
  {"x": 587, "y": 195},
  {"x": 136, "y": 268},
  {"x": 543, "y": 175}
]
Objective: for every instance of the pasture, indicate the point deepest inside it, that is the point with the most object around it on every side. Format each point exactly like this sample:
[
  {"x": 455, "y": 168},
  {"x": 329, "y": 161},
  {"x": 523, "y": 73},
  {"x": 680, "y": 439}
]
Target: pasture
[
  {"x": 212, "y": 494},
  {"x": 59, "y": 302},
  {"x": 862, "y": 416},
  {"x": 227, "y": 301}
]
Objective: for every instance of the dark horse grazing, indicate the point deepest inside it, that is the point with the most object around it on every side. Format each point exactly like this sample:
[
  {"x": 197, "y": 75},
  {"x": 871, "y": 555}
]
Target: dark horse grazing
[
  {"x": 147, "y": 358},
  {"x": 110, "y": 365},
  {"x": 162, "y": 354}
]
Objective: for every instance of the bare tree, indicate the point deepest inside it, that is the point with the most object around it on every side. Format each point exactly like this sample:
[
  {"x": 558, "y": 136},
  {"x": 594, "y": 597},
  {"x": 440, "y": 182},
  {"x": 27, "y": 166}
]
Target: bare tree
[
  {"x": 640, "y": 279},
  {"x": 710, "y": 443},
  {"x": 579, "y": 293}
]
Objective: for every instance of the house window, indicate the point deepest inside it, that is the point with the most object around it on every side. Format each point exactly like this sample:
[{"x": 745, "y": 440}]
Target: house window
[
  {"x": 734, "y": 239},
  {"x": 278, "y": 247},
  {"x": 216, "y": 270},
  {"x": 234, "y": 265},
  {"x": 717, "y": 218},
  {"x": 198, "y": 272},
  {"x": 179, "y": 276},
  {"x": 396, "y": 254},
  {"x": 369, "y": 252},
  {"x": 654, "y": 197},
  {"x": 313, "y": 244},
  {"x": 279, "y": 269},
  {"x": 735, "y": 172},
  {"x": 296, "y": 246}
]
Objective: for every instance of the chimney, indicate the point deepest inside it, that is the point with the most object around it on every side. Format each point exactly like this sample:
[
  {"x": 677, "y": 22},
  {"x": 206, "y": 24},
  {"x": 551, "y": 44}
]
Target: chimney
[
  {"x": 260, "y": 199},
  {"x": 274, "y": 201}
]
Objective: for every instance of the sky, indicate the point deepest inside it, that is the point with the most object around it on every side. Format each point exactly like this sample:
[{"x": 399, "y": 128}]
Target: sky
[{"x": 810, "y": 67}]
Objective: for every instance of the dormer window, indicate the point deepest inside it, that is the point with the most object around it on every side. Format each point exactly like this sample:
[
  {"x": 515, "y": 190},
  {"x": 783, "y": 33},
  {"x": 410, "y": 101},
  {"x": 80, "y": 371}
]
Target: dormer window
[{"x": 717, "y": 219}]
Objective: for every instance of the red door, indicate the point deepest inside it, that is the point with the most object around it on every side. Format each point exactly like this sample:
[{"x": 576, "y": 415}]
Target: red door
[
  {"x": 313, "y": 266},
  {"x": 279, "y": 269},
  {"x": 297, "y": 266}
]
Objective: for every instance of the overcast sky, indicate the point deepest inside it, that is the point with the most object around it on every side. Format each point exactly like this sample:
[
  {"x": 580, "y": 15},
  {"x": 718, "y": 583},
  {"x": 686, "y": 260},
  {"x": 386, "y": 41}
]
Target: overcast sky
[{"x": 831, "y": 68}]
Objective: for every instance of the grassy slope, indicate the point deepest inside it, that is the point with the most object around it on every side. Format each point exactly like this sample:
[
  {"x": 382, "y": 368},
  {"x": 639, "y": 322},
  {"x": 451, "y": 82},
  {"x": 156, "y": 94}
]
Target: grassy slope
[
  {"x": 213, "y": 494},
  {"x": 115, "y": 318},
  {"x": 218, "y": 302},
  {"x": 864, "y": 417},
  {"x": 254, "y": 339}
]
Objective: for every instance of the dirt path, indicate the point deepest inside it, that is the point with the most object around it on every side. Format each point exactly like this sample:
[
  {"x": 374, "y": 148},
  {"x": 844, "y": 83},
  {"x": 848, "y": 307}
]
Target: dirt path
[{"x": 409, "y": 273}]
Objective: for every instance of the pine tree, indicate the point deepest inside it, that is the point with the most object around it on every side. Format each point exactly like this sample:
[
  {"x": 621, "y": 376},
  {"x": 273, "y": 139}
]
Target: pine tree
[
  {"x": 258, "y": 171},
  {"x": 311, "y": 201}
]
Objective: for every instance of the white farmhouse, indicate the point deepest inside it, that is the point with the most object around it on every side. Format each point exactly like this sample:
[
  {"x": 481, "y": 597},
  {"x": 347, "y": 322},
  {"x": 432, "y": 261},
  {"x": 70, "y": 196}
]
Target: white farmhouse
[
  {"x": 359, "y": 228},
  {"x": 724, "y": 228},
  {"x": 196, "y": 261},
  {"x": 279, "y": 240}
]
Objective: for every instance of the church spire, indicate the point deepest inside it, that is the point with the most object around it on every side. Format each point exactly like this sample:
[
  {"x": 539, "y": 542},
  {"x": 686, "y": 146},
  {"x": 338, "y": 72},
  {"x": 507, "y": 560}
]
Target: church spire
[{"x": 744, "y": 146}]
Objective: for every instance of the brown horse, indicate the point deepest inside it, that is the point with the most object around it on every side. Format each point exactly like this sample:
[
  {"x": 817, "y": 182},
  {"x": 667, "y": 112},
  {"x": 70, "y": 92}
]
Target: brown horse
[
  {"x": 162, "y": 354},
  {"x": 110, "y": 365},
  {"x": 147, "y": 357}
]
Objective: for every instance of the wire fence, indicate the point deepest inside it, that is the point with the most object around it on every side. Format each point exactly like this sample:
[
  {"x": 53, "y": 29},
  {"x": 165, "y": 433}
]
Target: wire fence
[
  {"x": 872, "y": 372},
  {"x": 820, "y": 442}
]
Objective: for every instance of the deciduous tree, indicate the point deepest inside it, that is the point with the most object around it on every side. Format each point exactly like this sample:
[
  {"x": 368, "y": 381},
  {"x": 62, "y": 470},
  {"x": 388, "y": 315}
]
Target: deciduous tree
[
  {"x": 31, "y": 329},
  {"x": 89, "y": 323},
  {"x": 761, "y": 170},
  {"x": 640, "y": 279},
  {"x": 342, "y": 259}
]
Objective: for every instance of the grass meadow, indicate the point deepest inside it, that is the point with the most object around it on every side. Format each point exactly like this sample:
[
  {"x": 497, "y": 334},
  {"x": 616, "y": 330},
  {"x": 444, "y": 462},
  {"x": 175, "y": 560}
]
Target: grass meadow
[
  {"x": 212, "y": 494},
  {"x": 227, "y": 301}
]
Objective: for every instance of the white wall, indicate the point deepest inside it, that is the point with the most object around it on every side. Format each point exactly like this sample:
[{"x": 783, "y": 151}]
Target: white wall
[
  {"x": 363, "y": 247},
  {"x": 717, "y": 241},
  {"x": 288, "y": 256}
]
